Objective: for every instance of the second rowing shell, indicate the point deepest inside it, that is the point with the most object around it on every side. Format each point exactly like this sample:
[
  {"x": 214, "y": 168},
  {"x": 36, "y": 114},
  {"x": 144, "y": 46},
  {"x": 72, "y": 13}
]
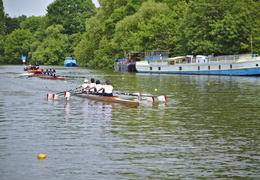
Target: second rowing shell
[{"x": 113, "y": 99}]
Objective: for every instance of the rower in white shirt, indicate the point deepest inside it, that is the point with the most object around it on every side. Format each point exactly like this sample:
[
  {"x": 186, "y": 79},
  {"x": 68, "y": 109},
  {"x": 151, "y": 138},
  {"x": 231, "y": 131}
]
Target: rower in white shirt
[
  {"x": 98, "y": 88},
  {"x": 84, "y": 85},
  {"x": 91, "y": 87},
  {"x": 107, "y": 89}
]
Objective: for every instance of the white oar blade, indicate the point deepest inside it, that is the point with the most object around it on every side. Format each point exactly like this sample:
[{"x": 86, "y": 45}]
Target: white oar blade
[
  {"x": 150, "y": 99},
  {"x": 52, "y": 96},
  {"x": 67, "y": 95},
  {"x": 49, "y": 96},
  {"x": 162, "y": 98},
  {"x": 56, "y": 96}
]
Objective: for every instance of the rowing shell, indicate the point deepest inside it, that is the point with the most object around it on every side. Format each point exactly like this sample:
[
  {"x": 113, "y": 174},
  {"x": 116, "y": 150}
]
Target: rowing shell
[
  {"x": 52, "y": 77},
  {"x": 113, "y": 99}
]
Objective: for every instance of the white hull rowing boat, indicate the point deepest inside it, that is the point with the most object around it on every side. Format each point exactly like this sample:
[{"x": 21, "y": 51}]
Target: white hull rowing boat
[{"x": 113, "y": 99}]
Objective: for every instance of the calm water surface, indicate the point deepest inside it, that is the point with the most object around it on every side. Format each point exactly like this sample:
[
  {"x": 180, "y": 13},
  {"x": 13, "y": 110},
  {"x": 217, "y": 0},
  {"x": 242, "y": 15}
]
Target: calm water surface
[{"x": 209, "y": 128}]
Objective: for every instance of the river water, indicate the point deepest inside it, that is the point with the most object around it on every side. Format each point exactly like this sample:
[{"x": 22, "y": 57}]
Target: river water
[{"x": 208, "y": 128}]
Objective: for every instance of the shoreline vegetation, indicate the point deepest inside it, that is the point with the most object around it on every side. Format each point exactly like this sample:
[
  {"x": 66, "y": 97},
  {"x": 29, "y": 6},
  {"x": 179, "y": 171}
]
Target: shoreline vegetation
[{"x": 96, "y": 37}]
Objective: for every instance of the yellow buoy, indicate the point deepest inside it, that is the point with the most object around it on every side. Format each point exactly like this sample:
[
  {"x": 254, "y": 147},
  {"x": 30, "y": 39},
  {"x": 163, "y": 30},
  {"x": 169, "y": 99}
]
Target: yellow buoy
[
  {"x": 208, "y": 84},
  {"x": 155, "y": 90},
  {"x": 41, "y": 156},
  {"x": 123, "y": 78},
  {"x": 65, "y": 81},
  {"x": 160, "y": 80}
]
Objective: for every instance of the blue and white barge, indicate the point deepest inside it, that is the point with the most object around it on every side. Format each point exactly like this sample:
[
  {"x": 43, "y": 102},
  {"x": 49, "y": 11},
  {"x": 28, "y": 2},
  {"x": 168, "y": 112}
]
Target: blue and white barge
[{"x": 157, "y": 61}]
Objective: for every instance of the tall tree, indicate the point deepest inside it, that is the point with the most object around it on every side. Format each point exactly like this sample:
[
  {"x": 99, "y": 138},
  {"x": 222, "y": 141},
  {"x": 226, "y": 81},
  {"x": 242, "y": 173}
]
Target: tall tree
[
  {"x": 53, "y": 49},
  {"x": 2, "y": 18},
  {"x": 36, "y": 25},
  {"x": 152, "y": 27},
  {"x": 84, "y": 51},
  {"x": 218, "y": 26},
  {"x": 71, "y": 14},
  {"x": 17, "y": 45},
  {"x": 2, "y": 31}
]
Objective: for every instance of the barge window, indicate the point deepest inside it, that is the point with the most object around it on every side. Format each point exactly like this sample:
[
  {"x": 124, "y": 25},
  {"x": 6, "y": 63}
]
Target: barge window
[
  {"x": 230, "y": 66},
  {"x": 219, "y": 67},
  {"x": 198, "y": 68},
  {"x": 151, "y": 68},
  {"x": 171, "y": 62},
  {"x": 208, "y": 67},
  {"x": 256, "y": 65},
  {"x": 180, "y": 68},
  {"x": 159, "y": 68}
]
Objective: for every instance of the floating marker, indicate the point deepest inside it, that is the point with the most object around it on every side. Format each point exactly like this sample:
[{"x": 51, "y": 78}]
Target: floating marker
[
  {"x": 155, "y": 90},
  {"x": 41, "y": 156},
  {"x": 208, "y": 84},
  {"x": 123, "y": 78}
]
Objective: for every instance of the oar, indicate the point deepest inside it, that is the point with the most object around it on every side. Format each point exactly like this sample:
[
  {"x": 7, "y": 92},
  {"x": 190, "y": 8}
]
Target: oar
[
  {"x": 62, "y": 92},
  {"x": 145, "y": 96},
  {"x": 55, "y": 96}
]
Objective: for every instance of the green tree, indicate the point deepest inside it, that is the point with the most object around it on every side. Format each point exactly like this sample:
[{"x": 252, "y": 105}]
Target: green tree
[
  {"x": 13, "y": 23},
  {"x": 36, "y": 25},
  {"x": 33, "y": 23},
  {"x": 17, "y": 45},
  {"x": 84, "y": 51},
  {"x": 53, "y": 49},
  {"x": 153, "y": 26},
  {"x": 2, "y": 31},
  {"x": 218, "y": 26},
  {"x": 2, "y": 18},
  {"x": 71, "y": 14},
  {"x": 127, "y": 26}
]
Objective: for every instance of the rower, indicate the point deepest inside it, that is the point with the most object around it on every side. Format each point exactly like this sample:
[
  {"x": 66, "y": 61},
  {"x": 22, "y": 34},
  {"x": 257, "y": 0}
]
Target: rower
[
  {"x": 98, "y": 87},
  {"x": 107, "y": 89},
  {"x": 91, "y": 86},
  {"x": 84, "y": 85}
]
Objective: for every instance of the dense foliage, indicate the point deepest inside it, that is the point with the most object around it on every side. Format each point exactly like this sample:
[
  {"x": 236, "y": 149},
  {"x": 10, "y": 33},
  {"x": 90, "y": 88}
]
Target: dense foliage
[{"x": 96, "y": 37}]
